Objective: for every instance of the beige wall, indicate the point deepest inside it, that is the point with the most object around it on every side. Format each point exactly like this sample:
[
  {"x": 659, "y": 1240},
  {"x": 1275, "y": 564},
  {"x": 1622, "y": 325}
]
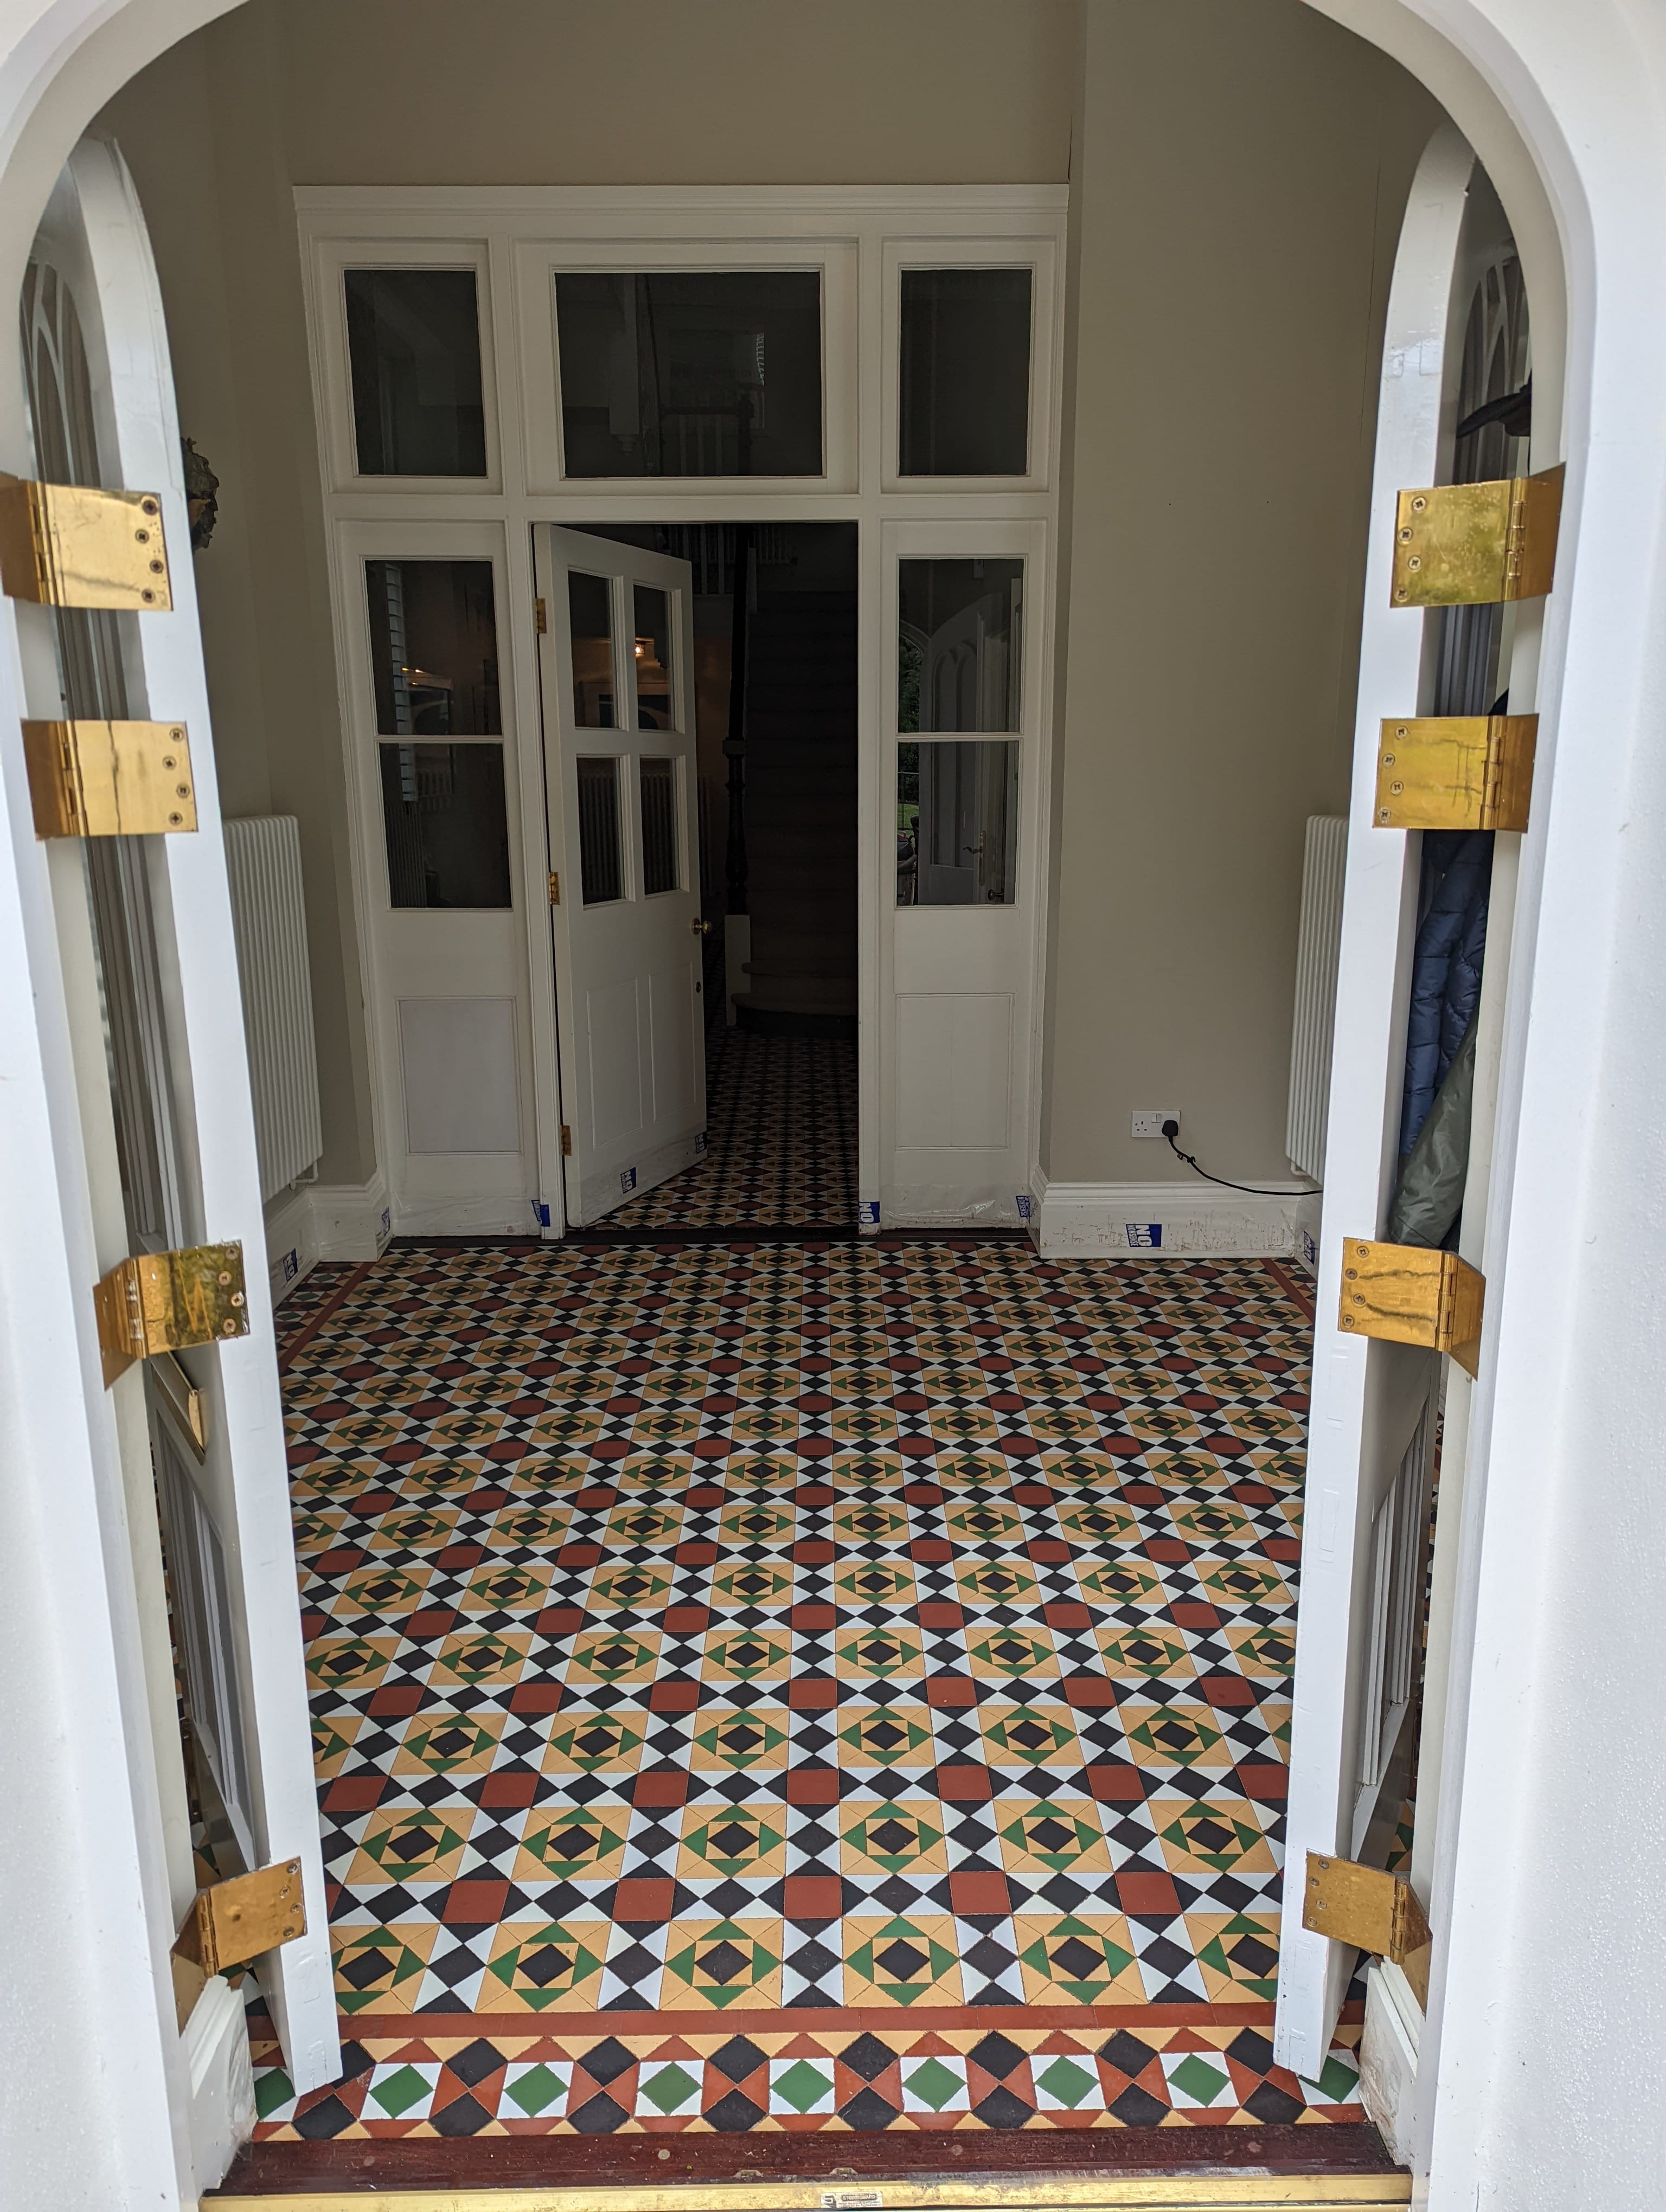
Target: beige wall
[{"x": 1239, "y": 167}]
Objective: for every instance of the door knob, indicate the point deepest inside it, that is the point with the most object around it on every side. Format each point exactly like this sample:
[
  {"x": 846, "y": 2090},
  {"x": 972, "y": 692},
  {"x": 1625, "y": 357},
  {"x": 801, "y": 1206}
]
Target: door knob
[{"x": 701, "y": 928}]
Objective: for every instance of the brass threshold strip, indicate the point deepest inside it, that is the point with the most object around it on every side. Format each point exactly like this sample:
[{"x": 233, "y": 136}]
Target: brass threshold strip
[{"x": 1215, "y": 2192}]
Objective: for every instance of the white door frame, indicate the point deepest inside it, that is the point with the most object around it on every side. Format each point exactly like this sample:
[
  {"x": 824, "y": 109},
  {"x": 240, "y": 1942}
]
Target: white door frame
[{"x": 860, "y": 238}]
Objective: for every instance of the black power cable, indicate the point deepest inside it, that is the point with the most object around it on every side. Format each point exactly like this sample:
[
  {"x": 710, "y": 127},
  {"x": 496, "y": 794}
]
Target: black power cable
[{"x": 1171, "y": 1130}]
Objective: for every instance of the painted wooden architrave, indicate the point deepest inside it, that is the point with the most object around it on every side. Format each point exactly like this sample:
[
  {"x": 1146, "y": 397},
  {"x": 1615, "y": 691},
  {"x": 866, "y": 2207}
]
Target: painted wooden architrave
[
  {"x": 244, "y": 1474},
  {"x": 514, "y": 236},
  {"x": 1367, "y": 1396}
]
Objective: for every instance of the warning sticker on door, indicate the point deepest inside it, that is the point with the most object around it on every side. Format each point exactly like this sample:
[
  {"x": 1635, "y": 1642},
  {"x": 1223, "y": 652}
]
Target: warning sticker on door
[
  {"x": 1144, "y": 1236},
  {"x": 626, "y": 1179}
]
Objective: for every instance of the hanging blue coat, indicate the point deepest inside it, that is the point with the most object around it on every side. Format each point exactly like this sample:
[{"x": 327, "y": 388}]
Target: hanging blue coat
[{"x": 1451, "y": 945}]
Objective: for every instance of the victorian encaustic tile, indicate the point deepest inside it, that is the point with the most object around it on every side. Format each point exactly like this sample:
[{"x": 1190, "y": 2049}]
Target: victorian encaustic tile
[{"x": 798, "y": 1687}]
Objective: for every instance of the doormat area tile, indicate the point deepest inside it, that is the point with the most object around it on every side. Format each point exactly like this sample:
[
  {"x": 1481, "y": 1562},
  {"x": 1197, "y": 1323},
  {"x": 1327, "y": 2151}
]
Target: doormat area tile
[{"x": 769, "y": 1688}]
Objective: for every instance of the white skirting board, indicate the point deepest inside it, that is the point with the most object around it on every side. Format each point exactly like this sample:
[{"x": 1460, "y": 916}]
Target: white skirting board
[
  {"x": 1163, "y": 1220},
  {"x": 317, "y": 1221}
]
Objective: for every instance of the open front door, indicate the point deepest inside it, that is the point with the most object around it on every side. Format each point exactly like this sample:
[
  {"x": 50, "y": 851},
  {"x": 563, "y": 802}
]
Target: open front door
[
  {"x": 1378, "y": 1406},
  {"x": 144, "y": 929},
  {"x": 617, "y": 676}
]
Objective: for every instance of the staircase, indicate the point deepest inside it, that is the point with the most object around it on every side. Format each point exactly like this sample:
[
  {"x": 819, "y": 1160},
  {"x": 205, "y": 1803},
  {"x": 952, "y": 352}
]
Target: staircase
[{"x": 801, "y": 813}]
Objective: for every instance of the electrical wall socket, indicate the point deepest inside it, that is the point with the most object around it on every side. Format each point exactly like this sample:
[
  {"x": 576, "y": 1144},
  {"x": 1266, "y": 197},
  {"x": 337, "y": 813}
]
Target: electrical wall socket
[{"x": 1149, "y": 1120}]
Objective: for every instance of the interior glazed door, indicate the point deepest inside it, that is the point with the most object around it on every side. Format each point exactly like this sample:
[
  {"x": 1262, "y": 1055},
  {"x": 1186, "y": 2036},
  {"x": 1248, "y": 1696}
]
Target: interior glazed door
[
  {"x": 1376, "y": 1405},
  {"x": 617, "y": 668},
  {"x": 156, "y": 1021}
]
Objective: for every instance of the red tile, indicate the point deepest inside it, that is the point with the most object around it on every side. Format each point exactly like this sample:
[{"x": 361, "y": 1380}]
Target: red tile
[
  {"x": 950, "y": 1693},
  {"x": 972, "y": 1892},
  {"x": 673, "y": 1697},
  {"x": 356, "y": 1793},
  {"x": 812, "y": 1619},
  {"x": 1061, "y": 1613},
  {"x": 475, "y": 1904},
  {"x": 535, "y": 1697},
  {"x": 395, "y": 1700},
  {"x": 1224, "y": 1691},
  {"x": 434, "y": 1620},
  {"x": 1269, "y": 1783},
  {"x": 1090, "y": 1693},
  {"x": 938, "y": 1613},
  {"x": 658, "y": 1786},
  {"x": 963, "y": 1785},
  {"x": 644, "y": 1897},
  {"x": 508, "y": 1790},
  {"x": 1148, "y": 1893},
  {"x": 813, "y": 1695},
  {"x": 1117, "y": 1783},
  {"x": 813, "y": 1897},
  {"x": 812, "y": 1785}
]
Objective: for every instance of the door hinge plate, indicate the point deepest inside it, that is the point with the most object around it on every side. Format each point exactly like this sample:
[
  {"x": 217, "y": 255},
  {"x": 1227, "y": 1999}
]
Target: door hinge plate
[
  {"x": 235, "y": 1921},
  {"x": 1407, "y": 1294},
  {"x": 566, "y": 1142},
  {"x": 540, "y": 618},
  {"x": 1372, "y": 1911},
  {"x": 71, "y": 545},
  {"x": 1475, "y": 544},
  {"x": 109, "y": 779},
  {"x": 1456, "y": 772},
  {"x": 163, "y": 1301},
  {"x": 554, "y": 888}
]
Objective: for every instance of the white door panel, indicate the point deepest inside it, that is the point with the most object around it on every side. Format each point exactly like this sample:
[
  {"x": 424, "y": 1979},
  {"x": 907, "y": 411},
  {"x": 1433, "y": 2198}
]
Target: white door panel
[
  {"x": 159, "y": 915},
  {"x": 461, "y": 1081},
  {"x": 434, "y": 751},
  {"x": 1368, "y": 1397},
  {"x": 618, "y": 740},
  {"x": 963, "y": 689},
  {"x": 954, "y": 1071}
]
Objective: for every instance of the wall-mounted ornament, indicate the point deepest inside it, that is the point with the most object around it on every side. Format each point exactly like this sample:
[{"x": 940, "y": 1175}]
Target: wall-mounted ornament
[{"x": 202, "y": 494}]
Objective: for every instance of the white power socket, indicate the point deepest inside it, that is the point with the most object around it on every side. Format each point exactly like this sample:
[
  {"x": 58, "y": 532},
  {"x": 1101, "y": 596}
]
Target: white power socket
[{"x": 1149, "y": 1120}]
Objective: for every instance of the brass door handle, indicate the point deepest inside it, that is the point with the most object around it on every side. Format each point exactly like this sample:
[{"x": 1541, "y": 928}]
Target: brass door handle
[{"x": 701, "y": 928}]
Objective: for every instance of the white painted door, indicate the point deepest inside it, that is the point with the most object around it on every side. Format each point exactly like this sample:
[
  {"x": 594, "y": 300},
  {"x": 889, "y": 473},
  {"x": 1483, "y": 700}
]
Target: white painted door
[
  {"x": 616, "y": 672},
  {"x": 433, "y": 749},
  {"x": 963, "y": 702},
  {"x": 162, "y": 1073},
  {"x": 1375, "y": 1405}
]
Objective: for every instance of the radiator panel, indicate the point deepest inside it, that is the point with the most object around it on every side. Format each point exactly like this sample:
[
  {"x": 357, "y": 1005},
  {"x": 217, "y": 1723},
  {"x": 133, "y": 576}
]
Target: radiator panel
[
  {"x": 1323, "y": 863},
  {"x": 269, "y": 917}
]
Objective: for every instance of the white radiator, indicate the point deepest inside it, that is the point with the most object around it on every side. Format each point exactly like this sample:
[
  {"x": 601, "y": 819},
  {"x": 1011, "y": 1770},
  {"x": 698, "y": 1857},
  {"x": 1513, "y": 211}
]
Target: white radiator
[
  {"x": 269, "y": 917},
  {"x": 1317, "y": 951}
]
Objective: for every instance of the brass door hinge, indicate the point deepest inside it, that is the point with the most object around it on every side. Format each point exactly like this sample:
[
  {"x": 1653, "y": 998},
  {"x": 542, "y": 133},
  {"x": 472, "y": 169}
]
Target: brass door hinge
[
  {"x": 109, "y": 779},
  {"x": 234, "y": 1921},
  {"x": 1372, "y": 1911},
  {"x": 554, "y": 888},
  {"x": 1473, "y": 544},
  {"x": 163, "y": 1301},
  {"x": 1407, "y": 1294},
  {"x": 70, "y": 545},
  {"x": 540, "y": 618},
  {"x": 1456, "y": 772}
]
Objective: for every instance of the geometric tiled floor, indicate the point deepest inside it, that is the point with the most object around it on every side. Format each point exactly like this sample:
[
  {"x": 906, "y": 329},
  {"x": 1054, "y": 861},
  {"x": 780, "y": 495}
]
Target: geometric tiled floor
[
  {"x": 800, "y": 1687},
  {"x": 780, "y": 1139}
]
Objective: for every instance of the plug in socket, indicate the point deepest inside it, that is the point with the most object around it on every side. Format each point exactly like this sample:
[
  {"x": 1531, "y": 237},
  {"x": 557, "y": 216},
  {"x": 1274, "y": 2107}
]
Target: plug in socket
[{"x": 1149, "y": 1120}]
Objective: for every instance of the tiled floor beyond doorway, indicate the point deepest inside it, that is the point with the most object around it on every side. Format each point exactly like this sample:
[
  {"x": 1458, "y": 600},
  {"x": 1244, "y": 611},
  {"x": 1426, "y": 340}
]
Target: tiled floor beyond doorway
[
  {"x": 787, "y": 1688},
  {"x": 781, "y": 1140}
]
